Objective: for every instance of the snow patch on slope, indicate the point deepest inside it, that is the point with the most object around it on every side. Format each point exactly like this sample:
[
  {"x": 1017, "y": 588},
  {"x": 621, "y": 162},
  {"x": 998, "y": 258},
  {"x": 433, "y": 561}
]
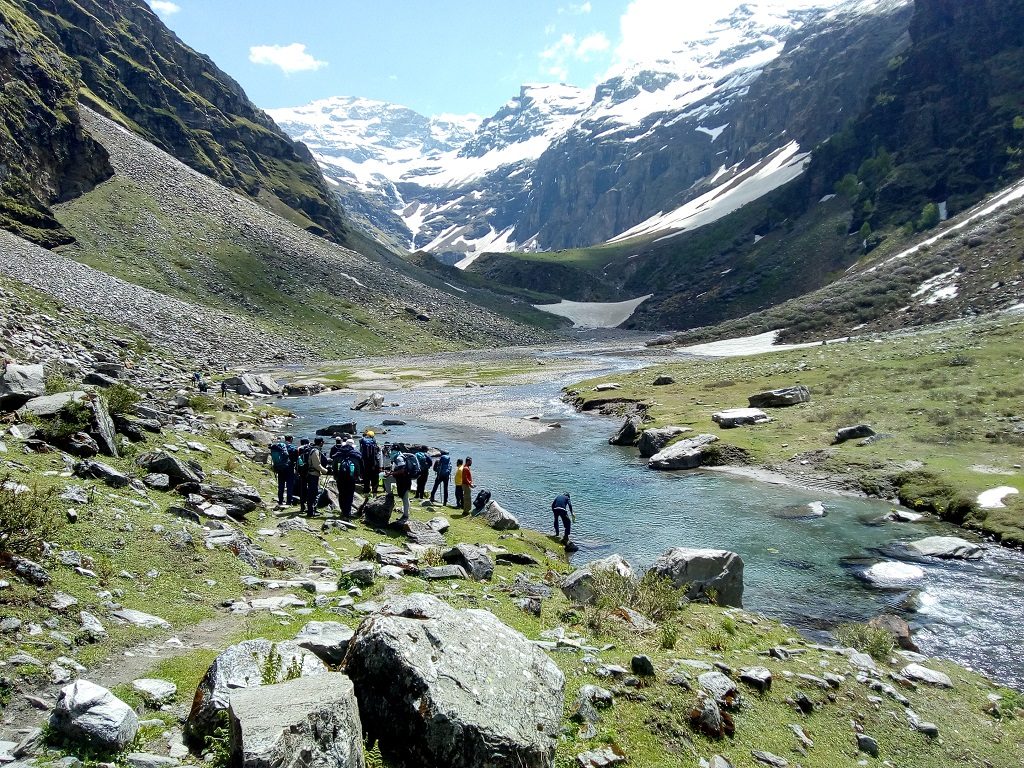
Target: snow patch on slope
[
  {"x": 777, "y": 169},
  {"x": 594, "y": 314}
]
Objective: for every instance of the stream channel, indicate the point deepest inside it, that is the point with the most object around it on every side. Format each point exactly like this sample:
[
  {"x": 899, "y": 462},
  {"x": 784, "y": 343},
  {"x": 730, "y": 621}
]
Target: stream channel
[{"x": 800, "y": 567}]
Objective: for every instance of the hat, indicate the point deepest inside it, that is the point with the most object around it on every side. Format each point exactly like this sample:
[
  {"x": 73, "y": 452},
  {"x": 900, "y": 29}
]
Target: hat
[
  {"x": 337, "y": 438},
  {"x": 369, "y": 433},
  {"x": 350, "y": 444}
]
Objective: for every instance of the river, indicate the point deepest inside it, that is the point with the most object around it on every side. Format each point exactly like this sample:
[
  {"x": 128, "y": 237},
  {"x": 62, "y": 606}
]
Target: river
[{"x": 800, "y": 567}]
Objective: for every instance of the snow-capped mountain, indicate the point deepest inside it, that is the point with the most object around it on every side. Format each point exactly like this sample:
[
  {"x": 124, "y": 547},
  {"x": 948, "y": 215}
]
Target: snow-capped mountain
[{"x": 559, "y": 166}]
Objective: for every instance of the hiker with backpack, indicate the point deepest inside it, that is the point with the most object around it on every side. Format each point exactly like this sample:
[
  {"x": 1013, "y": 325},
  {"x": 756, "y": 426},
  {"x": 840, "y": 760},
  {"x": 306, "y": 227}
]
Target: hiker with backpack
[
  {"x": 347, "y": 466},
  {"x": 467, "y": 485},
  {"x": 369, "y": 454},
  {"x": 402, "y": 467},
  {"x": 293, "y": 457},
  {"x": 301, "y": 466},
  {"x": 442, "y": 474},
  {"x": 315, "y": 464},
  {"x": 423, "y": 475},
  {"x": 282, "y": 465}
]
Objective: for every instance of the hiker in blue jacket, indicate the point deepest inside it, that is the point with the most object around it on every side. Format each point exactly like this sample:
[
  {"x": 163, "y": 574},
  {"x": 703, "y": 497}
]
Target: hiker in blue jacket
[
  {"x": 442, "y": 474},
  {"x": 348, "y": 469},
  {"x": 561, "y": 508}
]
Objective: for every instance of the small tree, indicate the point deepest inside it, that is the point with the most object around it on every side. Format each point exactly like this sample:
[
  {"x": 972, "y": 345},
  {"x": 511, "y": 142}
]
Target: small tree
[
  {"x": 28, "y": 517},
  {"x": 929, "y": 217}
]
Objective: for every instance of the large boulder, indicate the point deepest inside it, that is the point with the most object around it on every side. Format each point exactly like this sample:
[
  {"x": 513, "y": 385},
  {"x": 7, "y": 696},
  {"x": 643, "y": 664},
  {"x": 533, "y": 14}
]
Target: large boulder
[
  {"x": 946, "y": 547},
  {"x": 377, "y": 511},
  {"x": 688, "y": 453},
  {"x": 268, "y": 384},
  {"x": 578, "y": 586},
  {"x": 103, "y": 427},
  {"x": 90, "y": 715},
  {"x": 21, "y": 383},
  {"x": 97, "y": 470},
  {"x": 628, "y": 433},
  {"x": 163, "y": 463},
  {"x": 440, "y": 687},
  {"x": 237, "y": 502},
  {"x": 473, "y": 559},
  {"x": 311, "y": 722},
  {"x": 701, "y": 570},
  {"x": 48, "y": 406},
  {"x": 499, "y": 518},
  {"x": 249, "y": 664},
  {"x": 369, "y": 403},
  {"x": 653, "y": 440},
  {"x": 348, "y": 428},
  {"x": 246, "y": 384},
  {"x": 780, "y": 398}
]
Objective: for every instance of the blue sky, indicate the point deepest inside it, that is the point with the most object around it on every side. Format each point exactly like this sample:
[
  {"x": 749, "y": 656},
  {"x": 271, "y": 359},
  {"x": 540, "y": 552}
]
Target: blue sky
[
  {"x": 454, "y": 56},
  {"x": 443, "y": 56}
]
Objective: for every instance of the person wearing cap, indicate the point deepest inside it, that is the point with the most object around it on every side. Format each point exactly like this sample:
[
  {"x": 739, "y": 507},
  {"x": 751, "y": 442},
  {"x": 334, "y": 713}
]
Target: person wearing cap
[{"x": 369, "y": 454}]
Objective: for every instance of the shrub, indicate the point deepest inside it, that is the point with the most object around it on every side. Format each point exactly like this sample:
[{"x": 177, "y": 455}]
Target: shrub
[
  {"x": 121, "y": 398},
  {"x": 654, "y": 596},
  {"x": 231, "y": 464},
  {"x": 73, "y": 417},
  {"x": 729, "y": 625},
  {"x": 669, "y": 636},
  {"x": 959, "y": 360},
  {"x": 202, "y": 403},
  {"x": 713, "y": 639},
  {"x": 877, "y": 643},
  {"x": 217, "y": 432},
  {"x": 56, "y": 382},
  {"x": 28, "y": 518}
]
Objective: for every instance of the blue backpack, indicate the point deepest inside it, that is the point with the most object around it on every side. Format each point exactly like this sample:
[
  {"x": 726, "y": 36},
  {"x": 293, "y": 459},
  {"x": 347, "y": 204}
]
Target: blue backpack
[
  {"x": 279, "y": 457},
  {"x": 424, "y": 462},
  {"x": 444, "y": 465}
]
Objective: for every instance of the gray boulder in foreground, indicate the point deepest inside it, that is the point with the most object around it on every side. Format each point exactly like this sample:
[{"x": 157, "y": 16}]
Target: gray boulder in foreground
[
  {"x": 700, "y": 570},
  {"x": 311, "y": 722},
  {"x": 688, "y": 453},
  {"x": 579, "y": 587},
  {"x": 653, "y": 440},
  {"x": 947, "y": 547},
  {"x": 89, "y": 714},
  {"x": 20, "y": 383},
  {"x": 246, "y": 665},
  {"x": 780, "y": 398},
  {"x": 440, "y": 687}
]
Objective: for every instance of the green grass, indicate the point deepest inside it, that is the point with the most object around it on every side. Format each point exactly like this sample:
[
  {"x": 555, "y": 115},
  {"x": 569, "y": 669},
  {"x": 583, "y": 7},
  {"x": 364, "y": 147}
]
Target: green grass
[{"x": 937, "y": 415}]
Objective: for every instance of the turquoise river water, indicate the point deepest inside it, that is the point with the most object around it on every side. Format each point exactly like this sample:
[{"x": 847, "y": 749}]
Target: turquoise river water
[{"x": 799, "y": 568}]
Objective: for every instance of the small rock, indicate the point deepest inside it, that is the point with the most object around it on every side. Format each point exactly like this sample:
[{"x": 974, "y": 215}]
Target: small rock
[{"x": 642, "y": 665}]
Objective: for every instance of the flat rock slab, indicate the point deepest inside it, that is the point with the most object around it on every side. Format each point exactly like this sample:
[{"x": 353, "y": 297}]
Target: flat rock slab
[
  {"x": 140, "y": 619},
  {"x": 457, "y": 688},
  {"x": 780, "y": 398},
  {"x": 50, "y": 405},
  {"x": 738, "y": 417},
  {"x": 311, "y": 721},
  {"x": 924, "y": 675},
  {"x": 947, "y": 547},
  {"x": 154, "y": 690}
]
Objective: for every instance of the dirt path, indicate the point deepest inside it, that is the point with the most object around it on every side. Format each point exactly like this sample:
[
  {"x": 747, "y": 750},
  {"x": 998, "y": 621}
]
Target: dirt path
[{"x": 30, "y": 705}]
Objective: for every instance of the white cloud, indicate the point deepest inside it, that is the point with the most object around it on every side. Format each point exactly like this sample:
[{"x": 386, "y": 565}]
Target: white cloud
[
  {"x": 289, "y": 58},
  {"x": 595, "y": 43},
  {"x": 164, "y": 7},
  {"x": 652, "y": 28},
  {"x": 557, "y": 57},
  {"x": 576, "y": 9}
]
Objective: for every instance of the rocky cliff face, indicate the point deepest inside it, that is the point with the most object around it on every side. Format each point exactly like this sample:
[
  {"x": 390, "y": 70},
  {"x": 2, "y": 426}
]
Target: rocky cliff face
[
  {"x": 45, "y": 156},
  {"x": 139, "y": 73},
  {"x": 604, "y": 177},
  {"x": 947, "y": 115}
]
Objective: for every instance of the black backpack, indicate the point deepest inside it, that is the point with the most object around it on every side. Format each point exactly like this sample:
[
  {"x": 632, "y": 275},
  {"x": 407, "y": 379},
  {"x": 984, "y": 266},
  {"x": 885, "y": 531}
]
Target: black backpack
[
  {"x": 412, "y": 464},
  {"x": 302, "y": 460},
  {"x": 481, "y": 500}
]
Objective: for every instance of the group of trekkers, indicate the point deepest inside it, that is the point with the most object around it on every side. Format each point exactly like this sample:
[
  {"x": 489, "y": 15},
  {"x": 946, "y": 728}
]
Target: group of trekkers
[{"x": 303, "y": 468}]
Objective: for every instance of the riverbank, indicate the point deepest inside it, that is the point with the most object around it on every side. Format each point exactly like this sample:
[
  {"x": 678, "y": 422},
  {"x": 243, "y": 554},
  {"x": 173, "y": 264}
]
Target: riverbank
[
  {"x": 203, "y": 579},
  {"x": 945, "y": 404}
]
